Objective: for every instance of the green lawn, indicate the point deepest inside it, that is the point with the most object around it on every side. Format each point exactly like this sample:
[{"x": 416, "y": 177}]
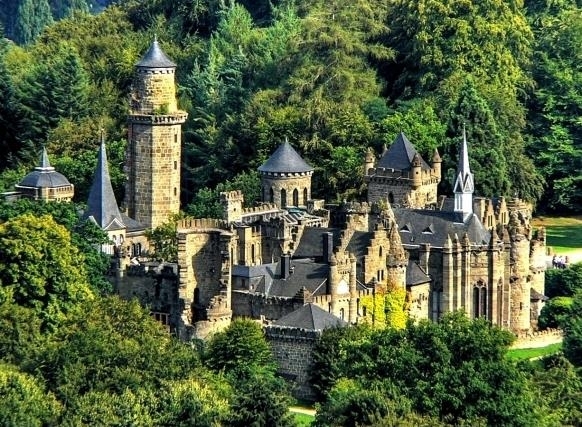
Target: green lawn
[
  {"x": 530, "y": 353},
  {"x": 563, "y": 234},
  {"x": 303, "y": 420}
]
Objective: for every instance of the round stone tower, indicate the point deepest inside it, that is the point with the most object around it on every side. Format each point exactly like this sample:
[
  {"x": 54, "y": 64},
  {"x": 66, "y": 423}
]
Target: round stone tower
[
  {"x": 154, "y": 141},
  {"x": 286, "y": 178}
]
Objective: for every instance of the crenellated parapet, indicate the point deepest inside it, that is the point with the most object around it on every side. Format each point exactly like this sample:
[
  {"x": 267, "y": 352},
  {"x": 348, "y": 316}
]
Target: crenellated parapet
[{"x": 202, "y": 224}]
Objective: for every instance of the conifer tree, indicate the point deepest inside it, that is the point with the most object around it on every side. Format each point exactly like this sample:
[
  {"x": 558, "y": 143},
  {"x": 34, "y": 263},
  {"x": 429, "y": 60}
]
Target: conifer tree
[{"x": 30, "y": 19}]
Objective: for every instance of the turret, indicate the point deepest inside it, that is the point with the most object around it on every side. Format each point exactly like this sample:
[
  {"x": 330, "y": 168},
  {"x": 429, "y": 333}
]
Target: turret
[
  {"x": 396, "y": 261},
  {"x": 154, "y": 141},
  {"x": 333, "y": 282},
  {"x": 436, "y": 164},
  {"x": 369, "y": 161},
  {"x": 286, "y": 178},
  {"x": 416, "y": 171}
]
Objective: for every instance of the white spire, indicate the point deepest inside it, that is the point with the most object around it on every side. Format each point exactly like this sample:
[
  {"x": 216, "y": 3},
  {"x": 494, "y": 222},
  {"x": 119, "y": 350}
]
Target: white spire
[{"x": 464, "y": 185}]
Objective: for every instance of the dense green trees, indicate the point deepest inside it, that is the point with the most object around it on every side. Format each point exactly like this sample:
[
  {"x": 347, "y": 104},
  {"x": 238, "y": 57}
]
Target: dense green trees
[
  {"x": 454, "y": 370},
  {"x": 334, "y": 78}
]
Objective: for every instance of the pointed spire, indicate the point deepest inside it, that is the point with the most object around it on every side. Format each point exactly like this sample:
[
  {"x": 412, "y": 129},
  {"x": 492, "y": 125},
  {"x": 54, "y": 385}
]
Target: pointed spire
[
  {"x": 155, "y": 57},
  {"x": 464, "y": 185},
  {"x": 44, "y": 164},
  {"x": 436, "y": 157},
  {"x": 102, "y": 206}
]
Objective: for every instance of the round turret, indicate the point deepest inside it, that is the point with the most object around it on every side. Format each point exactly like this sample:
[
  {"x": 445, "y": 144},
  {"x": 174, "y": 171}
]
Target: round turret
[
  {"x": 286, "y": 178},
  {"x": 416, "y": 171},
  {"x": 436, "y": 163},
  {"x": 369, "y": 161}
]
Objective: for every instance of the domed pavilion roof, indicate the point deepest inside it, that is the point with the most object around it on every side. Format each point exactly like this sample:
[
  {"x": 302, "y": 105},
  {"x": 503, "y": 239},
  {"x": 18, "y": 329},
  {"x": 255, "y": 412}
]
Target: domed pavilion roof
[
  {"x": 285, "y": 160},
  {"x": 44, "y": 176}
]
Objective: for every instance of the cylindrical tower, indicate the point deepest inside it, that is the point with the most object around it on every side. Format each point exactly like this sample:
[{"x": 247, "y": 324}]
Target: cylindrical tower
[
  {"x": 436, "y": 163},
  {"x": 286, "y": 178},
  {"x": 416, "y": 171},
  {"x": 333, "y": 282},
  {"x": 369, "y": 161},
  {"x": 520, "y": 284},
  {"x": 154, "y": 141},
  {"x": 353, "y": 306},
  {"x": 447, "y": 297}
]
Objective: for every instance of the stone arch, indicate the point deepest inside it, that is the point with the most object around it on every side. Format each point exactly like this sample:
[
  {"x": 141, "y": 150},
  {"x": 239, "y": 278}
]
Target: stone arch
[{"x": 295, "y": 197}]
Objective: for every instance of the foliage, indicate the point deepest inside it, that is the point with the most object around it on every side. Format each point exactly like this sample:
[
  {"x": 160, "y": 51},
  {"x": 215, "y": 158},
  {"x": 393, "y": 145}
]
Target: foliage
[
  {"x": 85, "y": 236},
  {"x": 559, "y": 387},
  {"x": 111, "y": 346},
  {"x": 24, "y": 400},
  {"x": 533, "y": 353},
  {"x": 240, "y": 348},
  {"x": 572, "y": 325},
  {"x": 41, "y": 267},
  {"x": 454, "y": 370},
  {"x": 563, "y": 281},
  {"x": 164, "y": 240},
  {"x": 555, "y": 312},
  {"x": 386, "y": 308}
]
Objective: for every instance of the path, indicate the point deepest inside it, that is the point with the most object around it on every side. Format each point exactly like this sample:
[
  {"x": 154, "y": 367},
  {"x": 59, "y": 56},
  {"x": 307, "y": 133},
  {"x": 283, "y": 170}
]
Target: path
[
  {"x": 537, "y": 341},
  {"x": 302, "y": 410}
]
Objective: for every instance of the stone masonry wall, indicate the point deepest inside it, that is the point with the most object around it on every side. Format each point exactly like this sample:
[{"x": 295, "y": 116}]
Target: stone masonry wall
[
  {"x": 402, "y": 193},
  {"x": 293, "y": 351},
  {"x": 154, "y": 175},
  {"x": 154, "y": 91}
]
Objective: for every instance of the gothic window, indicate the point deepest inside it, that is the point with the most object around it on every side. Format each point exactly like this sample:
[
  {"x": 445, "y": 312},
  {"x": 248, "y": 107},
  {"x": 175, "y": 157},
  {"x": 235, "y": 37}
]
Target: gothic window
[
  {"x": 175, "y": 165},
  {"x": 380, "y": 252},
  {"x": 479, "y": 301},
  {"x": 391, "y": 197},
  {"x": 283, "y": 198},
  {"x": 175, "y": 191},
  {"x": 342, "y": 314},
  {"x": 295, "y": 197},
  {"x": 253, "y": 253},
  {"x": 305, "y": 196}
]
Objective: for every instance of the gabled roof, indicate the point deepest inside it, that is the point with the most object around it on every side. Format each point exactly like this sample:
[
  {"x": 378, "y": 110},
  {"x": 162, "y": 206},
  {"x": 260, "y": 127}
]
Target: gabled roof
[
  {"x": 310, "y": 317},
  {"x": 414, "y": 223},
  {"x": 155, "y": 58},
  {"x": 44, "y": 175},
  {"x": 400, "y": 154},
  {"x": 101, "y": 206},
  {"x": 285, "y": 160}
]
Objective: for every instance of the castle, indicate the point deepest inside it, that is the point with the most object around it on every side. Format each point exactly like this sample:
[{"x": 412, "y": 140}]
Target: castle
[{"x": 297, "y": 263}]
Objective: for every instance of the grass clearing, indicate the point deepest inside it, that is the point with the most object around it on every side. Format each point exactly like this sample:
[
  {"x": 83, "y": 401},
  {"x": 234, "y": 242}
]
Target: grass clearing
[
  {"x": 563, "y": 234},
  {"x": 303, "y": 420},
  {"x": 530, "y": 353}
]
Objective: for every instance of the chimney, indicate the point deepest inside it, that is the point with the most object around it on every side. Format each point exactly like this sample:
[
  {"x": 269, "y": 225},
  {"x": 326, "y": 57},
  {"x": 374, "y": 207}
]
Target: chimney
[
  {"x": 327, "y": 241},
  {"x": 285, "y": 265}
]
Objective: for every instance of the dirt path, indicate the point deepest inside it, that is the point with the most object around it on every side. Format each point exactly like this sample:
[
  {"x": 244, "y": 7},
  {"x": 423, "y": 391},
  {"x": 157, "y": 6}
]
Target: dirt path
[
  {"x": 537, "y": 341},
  {"x": 302, "y": 410}
]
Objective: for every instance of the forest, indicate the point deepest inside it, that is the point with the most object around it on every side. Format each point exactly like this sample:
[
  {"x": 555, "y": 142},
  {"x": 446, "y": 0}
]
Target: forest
[{"x": 333, "y": 77}]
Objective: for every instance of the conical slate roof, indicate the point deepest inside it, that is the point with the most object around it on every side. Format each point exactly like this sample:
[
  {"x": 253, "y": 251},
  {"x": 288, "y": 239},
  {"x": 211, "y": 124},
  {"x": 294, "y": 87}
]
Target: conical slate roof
[
  {"x": 285, "y": 160},
  {"x": 310, "y": 317},
  {"x": 400, "y": 155},
  {"x": 155, "y": 58},
  {"x": 464, "y": 182},
  {"x": 44, "y": 175},
  {"x": 102, "y": 207}
]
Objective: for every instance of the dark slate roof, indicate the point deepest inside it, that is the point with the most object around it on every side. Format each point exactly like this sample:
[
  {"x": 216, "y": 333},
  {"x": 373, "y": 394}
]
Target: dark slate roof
[
  {"x": 155, "y": 58},
  {"x": 415, "y": 275},
  {"x": 359, "y": 243},
  {"x": 432, "y": 226},
  {"x": 537, "y": 296},
  {"x": 102, "y": 207},
  {"x": 310, "y": 317},
  {"x": 285, "y": 160},
  {"x": 400, "y": 154},
  {"x": 311, "y": 243},
  {"x": 305, "y": 273},
  {"x": 44, "y": 175},
  {"x": 131, "y": 224}
]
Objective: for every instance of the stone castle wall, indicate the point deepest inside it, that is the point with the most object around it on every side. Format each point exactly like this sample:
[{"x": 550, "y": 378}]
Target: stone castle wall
[
  {"x": 293, "y": 351},
  {"x": 401, "y": 193}
]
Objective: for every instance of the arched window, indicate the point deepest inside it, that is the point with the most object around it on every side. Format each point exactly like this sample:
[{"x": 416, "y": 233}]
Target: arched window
[
  {"x": 380, "y": 251},
  {"x": 271, "y": 195},
  {"x": 138, "y": 249},
  {"x": 342, "y": 313},
  {"x": 283, "y": 198},
  {"x": 295, "y": 197},
  {"x": 479, "y": 301},
  {"x": 305, "y": 196},
  {"x": 253, "y": 253},
  {"x": 391, "y": 197},
  {"x": 483, "y": 311}
]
